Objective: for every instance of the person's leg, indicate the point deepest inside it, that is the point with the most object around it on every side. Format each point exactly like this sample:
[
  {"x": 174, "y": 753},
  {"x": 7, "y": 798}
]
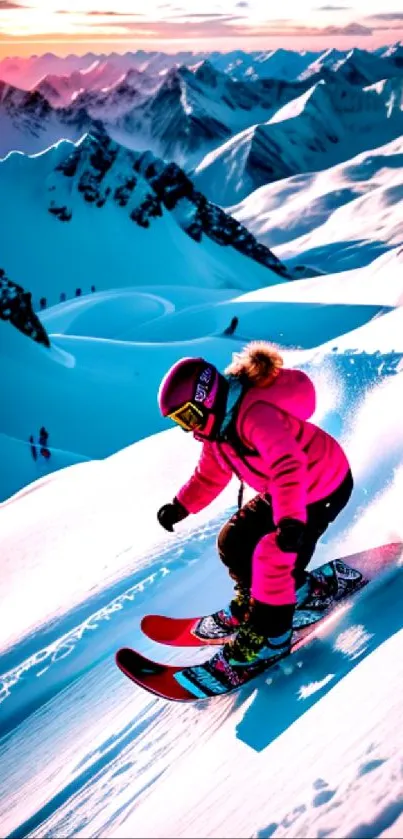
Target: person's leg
[
  {"x": 320, "y": 515},
  {"x": 239, "y": 536},
  {"x": 236, "y": 544},
  {"x": 275, "y": 574},
  {"x": 267, "y": 629}
]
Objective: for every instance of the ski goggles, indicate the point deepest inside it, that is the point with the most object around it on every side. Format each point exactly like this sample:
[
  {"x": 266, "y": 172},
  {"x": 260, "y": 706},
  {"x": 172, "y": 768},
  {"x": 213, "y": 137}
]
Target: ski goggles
[{"x": 189, "y": 416}]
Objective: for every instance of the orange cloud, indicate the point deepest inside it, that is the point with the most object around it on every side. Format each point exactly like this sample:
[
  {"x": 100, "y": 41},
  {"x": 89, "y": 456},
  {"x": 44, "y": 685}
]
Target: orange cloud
[{"x": 200, "y": 31}]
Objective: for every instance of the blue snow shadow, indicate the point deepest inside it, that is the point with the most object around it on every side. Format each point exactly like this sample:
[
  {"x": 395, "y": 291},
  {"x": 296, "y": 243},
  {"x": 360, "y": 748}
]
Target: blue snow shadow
[
  {"x": 344, "y": 255},
  {"x": 286, "y": 323},
  {"x": 374, "y": 617}
]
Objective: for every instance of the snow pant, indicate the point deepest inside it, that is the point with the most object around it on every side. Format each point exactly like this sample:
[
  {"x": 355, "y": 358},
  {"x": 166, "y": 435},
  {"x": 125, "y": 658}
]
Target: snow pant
[{"x": 238, "y": 541}]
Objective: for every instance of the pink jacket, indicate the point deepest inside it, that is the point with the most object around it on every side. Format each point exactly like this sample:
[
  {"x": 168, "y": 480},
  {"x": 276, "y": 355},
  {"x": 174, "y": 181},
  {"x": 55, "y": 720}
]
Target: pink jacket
[{"x": 291, "y": 459}]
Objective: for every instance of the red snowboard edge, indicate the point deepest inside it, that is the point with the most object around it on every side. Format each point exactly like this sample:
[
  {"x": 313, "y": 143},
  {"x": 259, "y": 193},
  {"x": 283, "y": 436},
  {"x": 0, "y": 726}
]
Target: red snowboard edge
[
  {"x": 179, "y": 632},
  {"x": 157, "y": 678},
  {"x": 176, "y": 632}
]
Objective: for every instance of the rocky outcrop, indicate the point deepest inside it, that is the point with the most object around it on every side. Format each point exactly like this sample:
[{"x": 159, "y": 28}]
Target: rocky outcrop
[
  {"x": 16, "y": 306},
  {"x": 172, "y": 186}
]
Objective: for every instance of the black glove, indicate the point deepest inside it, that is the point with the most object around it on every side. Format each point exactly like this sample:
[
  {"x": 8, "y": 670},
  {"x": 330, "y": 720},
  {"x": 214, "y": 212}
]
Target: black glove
[
  {"x": 170, "y": 514},
  {"x": 290, "y": 535}
]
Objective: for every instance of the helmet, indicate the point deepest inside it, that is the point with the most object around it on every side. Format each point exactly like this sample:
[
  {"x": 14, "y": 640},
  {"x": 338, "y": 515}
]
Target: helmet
[{"x": 190, "y": 395}]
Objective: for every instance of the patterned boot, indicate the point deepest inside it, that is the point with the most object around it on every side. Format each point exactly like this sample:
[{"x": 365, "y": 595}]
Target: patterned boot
[
  {"x": 324, "y": 586},
  {"x": 264, "y": 637},
  {"x": 238, "y": 609},
  {"x": 224, "y": 623},
  {"x": 241, "y": 602}
]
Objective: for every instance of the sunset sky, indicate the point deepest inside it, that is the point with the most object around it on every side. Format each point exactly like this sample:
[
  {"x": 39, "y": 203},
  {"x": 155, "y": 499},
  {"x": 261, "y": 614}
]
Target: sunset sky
[{"x": 63, "y": 26}]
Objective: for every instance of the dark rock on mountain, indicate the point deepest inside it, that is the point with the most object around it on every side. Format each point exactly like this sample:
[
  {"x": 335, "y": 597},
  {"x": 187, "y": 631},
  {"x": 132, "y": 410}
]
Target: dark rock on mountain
[
  {"x": 16, "y": 306},
  {"x": 100, "y": 170}
]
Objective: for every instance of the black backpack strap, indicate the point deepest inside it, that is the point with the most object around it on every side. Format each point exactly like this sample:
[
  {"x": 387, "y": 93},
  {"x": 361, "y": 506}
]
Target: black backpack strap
[{"x": 240, "y": 494}]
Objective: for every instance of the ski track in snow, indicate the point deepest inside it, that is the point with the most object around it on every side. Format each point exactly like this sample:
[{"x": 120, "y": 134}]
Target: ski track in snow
[{"x": 118, "y": 743}]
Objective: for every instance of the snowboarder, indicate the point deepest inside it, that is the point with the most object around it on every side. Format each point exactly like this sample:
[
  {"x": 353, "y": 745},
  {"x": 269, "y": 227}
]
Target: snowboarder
[
  {"x": 43, "y": 442},
  {"x": 232, "y": 326},
  {"x": 33, "y": 448},
  {"x": 253, "y": 422}
]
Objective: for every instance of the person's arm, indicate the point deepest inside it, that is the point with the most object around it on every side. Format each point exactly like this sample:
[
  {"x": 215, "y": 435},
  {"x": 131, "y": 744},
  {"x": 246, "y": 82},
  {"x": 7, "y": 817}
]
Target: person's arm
[{"x": 209, "y": 479}]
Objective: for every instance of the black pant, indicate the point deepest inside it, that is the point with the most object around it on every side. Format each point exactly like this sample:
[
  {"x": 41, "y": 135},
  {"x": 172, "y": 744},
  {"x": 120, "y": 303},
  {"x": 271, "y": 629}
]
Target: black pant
[{"x": 238, "y": 538}]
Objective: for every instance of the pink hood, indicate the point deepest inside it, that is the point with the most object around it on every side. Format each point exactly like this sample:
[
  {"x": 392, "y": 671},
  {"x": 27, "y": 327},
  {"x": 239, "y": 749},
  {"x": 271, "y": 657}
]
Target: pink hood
[{"x": 291, "y": 391}]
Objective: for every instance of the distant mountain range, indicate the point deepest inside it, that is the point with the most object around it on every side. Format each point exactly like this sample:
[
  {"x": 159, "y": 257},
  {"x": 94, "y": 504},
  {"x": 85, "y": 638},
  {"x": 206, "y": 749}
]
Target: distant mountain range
[
  {"x": 204, "y": 131},
  {"x": 186, "y": 111},
  {"x": 186, "y": 114},
  {"x": 99, "y": 86},
  {"x": 279, "y": 64},
  {"x": 329, "y": 123}
]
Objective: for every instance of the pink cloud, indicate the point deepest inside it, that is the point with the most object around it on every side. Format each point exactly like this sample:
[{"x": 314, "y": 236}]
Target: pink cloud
[
  {"x": 6, "y": 6},
  {"x": 228, "y": 26}
]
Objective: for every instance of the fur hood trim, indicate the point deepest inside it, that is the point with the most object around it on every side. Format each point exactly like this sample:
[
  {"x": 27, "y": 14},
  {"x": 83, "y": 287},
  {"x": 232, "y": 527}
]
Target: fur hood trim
[{"x": 258, "y": 363}]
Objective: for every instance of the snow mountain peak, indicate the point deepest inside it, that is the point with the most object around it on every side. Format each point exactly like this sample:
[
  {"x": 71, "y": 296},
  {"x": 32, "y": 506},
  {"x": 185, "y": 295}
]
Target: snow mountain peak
[{"x": 101, "y": 171}]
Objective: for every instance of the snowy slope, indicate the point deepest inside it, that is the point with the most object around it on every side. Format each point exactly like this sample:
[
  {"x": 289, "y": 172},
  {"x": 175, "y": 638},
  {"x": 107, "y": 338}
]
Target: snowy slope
[
  {"x": 97, "y": 214},
  {"x": 316, "y": 752},
  {"x": 112, "y": 349},
  {"x": 339, "y": 218},
  {"x": 329, "y": 123}
]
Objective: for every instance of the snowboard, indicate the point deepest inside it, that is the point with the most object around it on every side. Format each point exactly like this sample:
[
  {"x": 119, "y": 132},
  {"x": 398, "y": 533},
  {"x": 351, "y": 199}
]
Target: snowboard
[
  {"x": 215, "y": 629},
  {"x": 216, "y": 677}
]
